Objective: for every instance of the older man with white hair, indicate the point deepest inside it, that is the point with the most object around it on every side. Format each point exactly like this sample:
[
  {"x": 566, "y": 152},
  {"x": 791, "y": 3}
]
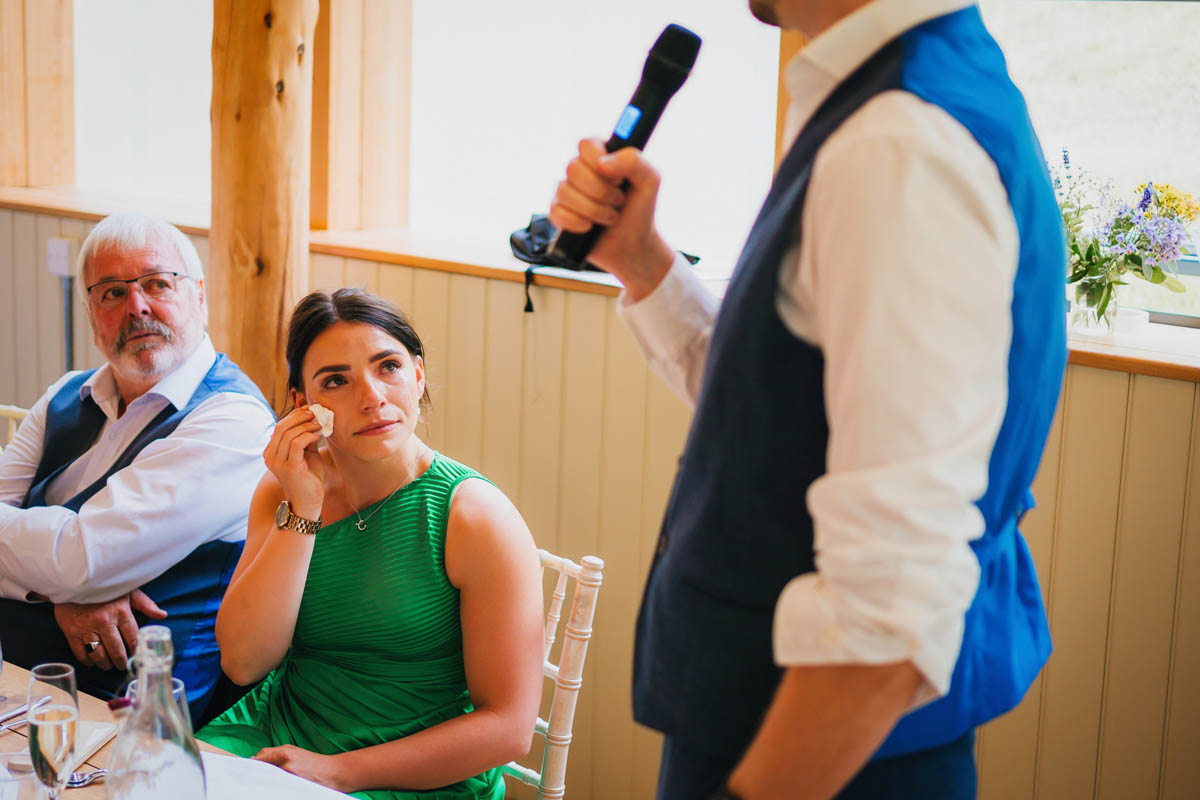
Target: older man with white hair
[{"x": 124, "y": 495}]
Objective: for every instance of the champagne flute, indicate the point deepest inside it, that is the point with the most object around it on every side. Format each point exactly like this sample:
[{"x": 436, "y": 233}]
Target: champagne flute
[
  {"x": 177, "y": 691},
  {"x": 53, "y": 718}
]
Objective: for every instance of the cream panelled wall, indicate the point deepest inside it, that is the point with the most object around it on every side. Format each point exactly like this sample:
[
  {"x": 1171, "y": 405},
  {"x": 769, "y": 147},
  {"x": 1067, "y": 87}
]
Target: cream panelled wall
[
  {"x": 31, "y": 308},
  {"x": 558, "y": 408},
  {"x": 1116, "y": 538}
]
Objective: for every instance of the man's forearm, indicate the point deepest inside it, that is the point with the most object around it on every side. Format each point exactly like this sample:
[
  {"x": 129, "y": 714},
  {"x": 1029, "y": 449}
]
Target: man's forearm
[
  {"x": 40, "y": 552},
  {"x": 822, "y": 726}
]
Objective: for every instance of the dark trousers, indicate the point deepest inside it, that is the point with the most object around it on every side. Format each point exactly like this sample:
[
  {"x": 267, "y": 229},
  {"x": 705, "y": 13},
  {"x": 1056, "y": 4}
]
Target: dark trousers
[
  {"x": 940, "y": 773},
  {"x": 30, "y": 636}
]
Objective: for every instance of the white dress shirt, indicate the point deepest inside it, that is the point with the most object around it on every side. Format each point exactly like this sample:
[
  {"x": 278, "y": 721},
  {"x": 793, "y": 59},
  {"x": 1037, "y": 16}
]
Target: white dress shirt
[
  {"x": 181, "y": 491},
  {"x": 903, "y": 279}
]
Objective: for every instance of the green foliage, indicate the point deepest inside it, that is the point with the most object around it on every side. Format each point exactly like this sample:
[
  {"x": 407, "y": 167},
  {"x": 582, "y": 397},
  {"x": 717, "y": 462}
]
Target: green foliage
[{"x": 1093, "y": 272}]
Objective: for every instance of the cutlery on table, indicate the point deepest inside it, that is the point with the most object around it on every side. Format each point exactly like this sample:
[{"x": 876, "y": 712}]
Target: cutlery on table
[
  {"x": 79, "y": 779},
  {"x": 16, "y": 712},
  {"x": 10, "y": 726}
]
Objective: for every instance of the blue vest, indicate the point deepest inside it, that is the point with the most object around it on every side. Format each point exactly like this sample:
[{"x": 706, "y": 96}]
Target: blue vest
[
  {"x": 737, "y": 528},
  {"x": 191, "y": 590}
]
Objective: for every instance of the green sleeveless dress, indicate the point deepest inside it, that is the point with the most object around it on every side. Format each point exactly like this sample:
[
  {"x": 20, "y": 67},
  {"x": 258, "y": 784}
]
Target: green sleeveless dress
[{"x": 377, "y": 653}]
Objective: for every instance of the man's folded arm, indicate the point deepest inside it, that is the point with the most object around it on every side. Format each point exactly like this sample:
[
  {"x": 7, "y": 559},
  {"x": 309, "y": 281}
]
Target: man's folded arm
[{"x": 180, "y": 492}]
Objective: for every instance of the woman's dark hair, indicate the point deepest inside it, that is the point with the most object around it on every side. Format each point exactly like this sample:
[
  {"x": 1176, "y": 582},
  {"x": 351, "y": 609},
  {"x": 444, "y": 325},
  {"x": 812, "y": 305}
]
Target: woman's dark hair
[{"x": 320, "y": 310}]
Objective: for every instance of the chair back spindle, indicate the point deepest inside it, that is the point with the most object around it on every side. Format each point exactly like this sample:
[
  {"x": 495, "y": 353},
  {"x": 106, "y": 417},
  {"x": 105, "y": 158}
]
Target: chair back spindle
[
  {"x": 567, "y": 674},
  {"x": 554, "y": 614},
  {"x": 11, "y": 416}
]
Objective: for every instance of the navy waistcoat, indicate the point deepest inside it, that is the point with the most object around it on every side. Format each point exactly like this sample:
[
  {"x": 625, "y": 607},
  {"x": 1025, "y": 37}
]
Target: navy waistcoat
[
  {"x": 191, "y": 590},
  {"x": 737, "y": 528}
]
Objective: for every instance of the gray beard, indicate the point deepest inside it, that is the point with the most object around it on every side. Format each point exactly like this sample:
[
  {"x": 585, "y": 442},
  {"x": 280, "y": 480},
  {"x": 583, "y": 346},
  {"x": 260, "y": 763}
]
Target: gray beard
[
  {"x": 168, "y": 353},
  {"x": 155, "y": 365}
]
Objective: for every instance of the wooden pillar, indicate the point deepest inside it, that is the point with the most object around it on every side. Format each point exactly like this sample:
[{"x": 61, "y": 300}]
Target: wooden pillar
[
  {"x": 37, "y": 93},
  {"x": 790, "y": 43},
  {"x": 362, "y": 86},
  {"x": 261, "y": 122}
]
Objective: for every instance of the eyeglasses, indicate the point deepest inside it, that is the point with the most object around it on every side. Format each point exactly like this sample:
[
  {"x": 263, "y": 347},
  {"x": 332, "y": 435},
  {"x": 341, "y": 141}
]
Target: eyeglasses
[{"x": 155, "y": 286}]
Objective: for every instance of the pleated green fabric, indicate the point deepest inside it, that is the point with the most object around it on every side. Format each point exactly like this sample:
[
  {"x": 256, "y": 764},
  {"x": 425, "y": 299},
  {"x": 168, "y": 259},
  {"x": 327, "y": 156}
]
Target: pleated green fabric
[{"x": 377, "y": 653}]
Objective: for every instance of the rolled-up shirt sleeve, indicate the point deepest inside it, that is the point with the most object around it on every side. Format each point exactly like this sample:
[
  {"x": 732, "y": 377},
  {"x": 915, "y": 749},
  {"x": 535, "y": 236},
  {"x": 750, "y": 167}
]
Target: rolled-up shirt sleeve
[
  {"x": 673, "y": 326},
  {"x": 180, "y": 492},
  {"x": 913, "y": 251}
]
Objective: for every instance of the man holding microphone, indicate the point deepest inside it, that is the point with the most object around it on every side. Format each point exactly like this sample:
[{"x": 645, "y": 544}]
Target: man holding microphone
[{"x": 840, "y": 593}]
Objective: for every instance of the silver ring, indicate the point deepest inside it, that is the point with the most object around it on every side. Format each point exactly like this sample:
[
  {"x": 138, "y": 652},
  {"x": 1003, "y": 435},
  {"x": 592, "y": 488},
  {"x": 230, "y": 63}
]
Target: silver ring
[{"x": 91, "y": 647}]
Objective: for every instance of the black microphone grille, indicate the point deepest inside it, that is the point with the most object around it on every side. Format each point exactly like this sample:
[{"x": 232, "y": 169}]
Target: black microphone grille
[
  {"x": 673, "y": 55},
  {"x": 678, "y": 45}
]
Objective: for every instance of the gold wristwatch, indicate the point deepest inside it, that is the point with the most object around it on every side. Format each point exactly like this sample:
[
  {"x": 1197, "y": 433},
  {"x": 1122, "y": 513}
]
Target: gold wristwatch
[{"x": 284, "y": 518}]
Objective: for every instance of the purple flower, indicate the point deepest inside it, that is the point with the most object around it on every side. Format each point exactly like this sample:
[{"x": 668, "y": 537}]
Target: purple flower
[
  {"x": 1147, "y": 196},
  {"x": 1066, "y": 158},
  {"x": 1153, "y": 237}
]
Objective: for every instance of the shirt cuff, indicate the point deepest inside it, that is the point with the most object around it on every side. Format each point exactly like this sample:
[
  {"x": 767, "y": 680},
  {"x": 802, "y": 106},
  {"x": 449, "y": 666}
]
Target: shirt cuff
[
  {"x": 810, "y": 630},
  {"x": 665, "y": 321}
]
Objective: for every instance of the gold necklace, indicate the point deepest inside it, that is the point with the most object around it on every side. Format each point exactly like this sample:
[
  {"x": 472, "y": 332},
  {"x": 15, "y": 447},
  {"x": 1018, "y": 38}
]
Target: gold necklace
[{"x": 362, "y": 521}]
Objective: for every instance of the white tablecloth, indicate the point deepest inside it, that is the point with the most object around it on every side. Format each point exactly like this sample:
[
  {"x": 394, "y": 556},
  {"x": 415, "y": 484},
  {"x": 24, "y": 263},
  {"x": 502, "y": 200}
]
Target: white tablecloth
[{"x": 232, "y": 778}]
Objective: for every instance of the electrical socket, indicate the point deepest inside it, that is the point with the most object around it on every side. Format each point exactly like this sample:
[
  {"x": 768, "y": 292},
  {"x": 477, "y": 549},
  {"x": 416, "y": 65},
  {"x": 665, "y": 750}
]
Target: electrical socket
[{"x": 61, "y": 252}]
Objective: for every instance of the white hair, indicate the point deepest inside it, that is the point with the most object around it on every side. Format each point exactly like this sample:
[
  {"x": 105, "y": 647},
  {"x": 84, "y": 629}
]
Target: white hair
[{"x": 130, "y": 231}]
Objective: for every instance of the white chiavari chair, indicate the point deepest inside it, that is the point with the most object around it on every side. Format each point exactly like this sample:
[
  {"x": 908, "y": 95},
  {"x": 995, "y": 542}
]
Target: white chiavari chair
[
  {"x": 10, "y": 418},
  {"x": 567, "y": 674}
]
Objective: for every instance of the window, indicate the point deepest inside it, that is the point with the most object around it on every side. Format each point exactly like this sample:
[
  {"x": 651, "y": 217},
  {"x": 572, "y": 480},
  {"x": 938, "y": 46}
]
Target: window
[
  {"x": 1115, "y": 82},
  {"x": 143, "y": 78},
  {"x": 502, "y": 93}
]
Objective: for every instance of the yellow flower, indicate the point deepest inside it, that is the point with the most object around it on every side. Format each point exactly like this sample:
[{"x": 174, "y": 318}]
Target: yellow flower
[{"x": 1173, "y": 202}]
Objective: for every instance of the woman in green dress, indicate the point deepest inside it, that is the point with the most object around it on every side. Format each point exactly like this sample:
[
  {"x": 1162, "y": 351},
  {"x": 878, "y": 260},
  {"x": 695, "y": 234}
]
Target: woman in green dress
[{"x": 390, "y": 596}]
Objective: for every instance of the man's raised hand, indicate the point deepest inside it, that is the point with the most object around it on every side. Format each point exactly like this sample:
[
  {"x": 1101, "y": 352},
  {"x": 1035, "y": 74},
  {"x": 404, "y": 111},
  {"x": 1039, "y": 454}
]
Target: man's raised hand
[{"x": 631, "y": 247}]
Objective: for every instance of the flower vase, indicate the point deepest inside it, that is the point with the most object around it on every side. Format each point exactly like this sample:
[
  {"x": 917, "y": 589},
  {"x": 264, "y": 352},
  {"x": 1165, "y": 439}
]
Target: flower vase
[{"x": 1086, "y": 302}]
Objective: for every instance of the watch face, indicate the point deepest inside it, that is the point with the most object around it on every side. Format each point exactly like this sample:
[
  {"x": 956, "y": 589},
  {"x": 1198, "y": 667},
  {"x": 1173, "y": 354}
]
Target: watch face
[{"x": 281, "y": 514}]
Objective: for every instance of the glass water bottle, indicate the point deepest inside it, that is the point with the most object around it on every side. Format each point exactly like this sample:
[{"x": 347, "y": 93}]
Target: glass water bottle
[{"x": 155, "y": 755}]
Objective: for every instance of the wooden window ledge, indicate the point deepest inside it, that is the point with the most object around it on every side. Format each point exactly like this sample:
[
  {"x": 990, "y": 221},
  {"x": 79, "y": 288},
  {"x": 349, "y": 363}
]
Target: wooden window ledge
[
  {"x": 452, "y": 253},
  {"x": 1165, "y": 351},
  {"x": 445, "y": 252}
]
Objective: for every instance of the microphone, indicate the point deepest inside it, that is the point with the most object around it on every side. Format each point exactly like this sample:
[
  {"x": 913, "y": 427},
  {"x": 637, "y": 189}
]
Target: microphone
[{"x": 666, "y": 69}]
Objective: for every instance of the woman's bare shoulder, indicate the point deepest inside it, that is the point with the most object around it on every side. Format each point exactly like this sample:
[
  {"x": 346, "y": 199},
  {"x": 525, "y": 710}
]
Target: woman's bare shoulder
[{"x": 484, "y": 527}]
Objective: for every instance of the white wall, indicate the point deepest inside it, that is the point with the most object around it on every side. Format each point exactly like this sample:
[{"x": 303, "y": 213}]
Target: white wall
[
  {"x": 502, "y": 93},
  {"x": 143, "y": 79}
]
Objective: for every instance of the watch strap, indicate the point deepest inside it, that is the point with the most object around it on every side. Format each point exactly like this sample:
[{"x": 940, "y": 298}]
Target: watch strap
[{"x": 301, "y": 524}]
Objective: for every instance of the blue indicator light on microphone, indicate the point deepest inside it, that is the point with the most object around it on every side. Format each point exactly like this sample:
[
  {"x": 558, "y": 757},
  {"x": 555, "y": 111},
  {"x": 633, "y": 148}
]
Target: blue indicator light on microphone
[{"x": 627, "y": 122}]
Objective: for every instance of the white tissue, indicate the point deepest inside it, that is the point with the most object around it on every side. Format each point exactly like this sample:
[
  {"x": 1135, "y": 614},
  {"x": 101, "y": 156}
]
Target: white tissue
[{"x": 324, "y": 416}]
